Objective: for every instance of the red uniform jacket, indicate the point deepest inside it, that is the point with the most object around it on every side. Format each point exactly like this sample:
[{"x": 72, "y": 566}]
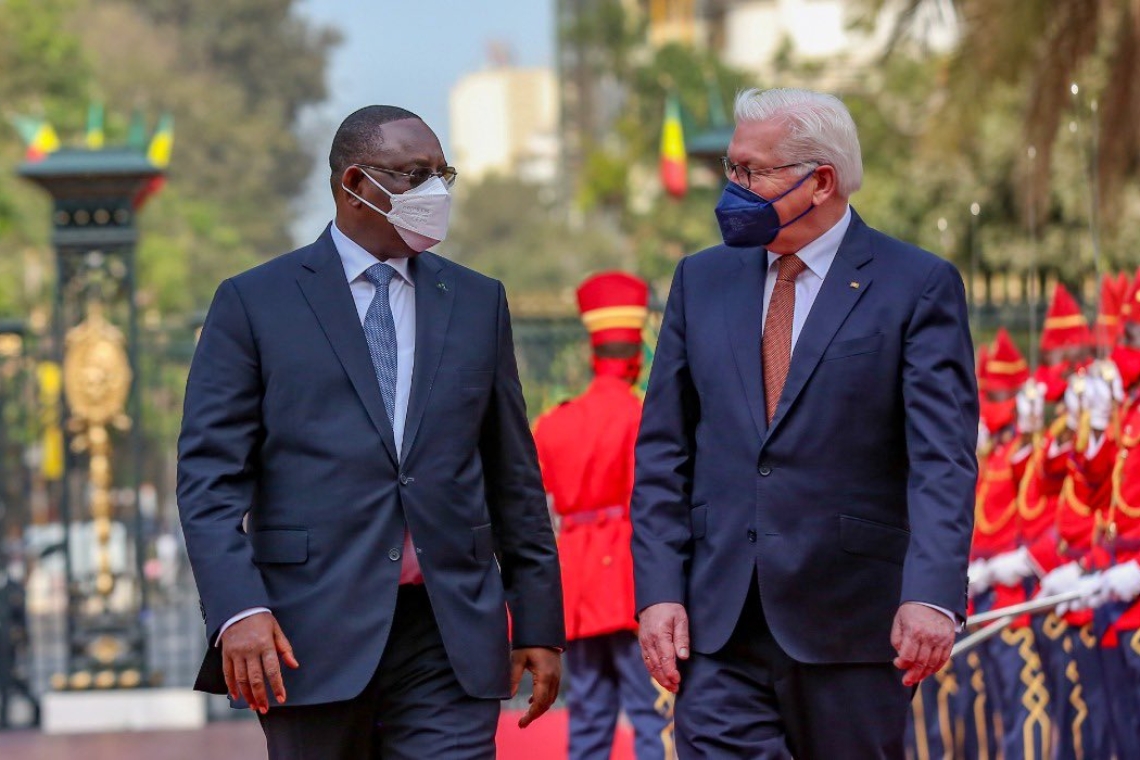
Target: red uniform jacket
[
  {"x": 996, "y": 519},
  {"x": 1124, "y": 533},
  {"x": 585, "y": 449}
]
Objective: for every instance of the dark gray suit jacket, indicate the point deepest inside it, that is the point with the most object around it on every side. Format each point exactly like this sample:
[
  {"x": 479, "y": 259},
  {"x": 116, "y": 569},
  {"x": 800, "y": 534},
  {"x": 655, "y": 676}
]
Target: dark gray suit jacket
[
  {"x": 858, "y": 496},
  {"x": 283, "y": 420}
]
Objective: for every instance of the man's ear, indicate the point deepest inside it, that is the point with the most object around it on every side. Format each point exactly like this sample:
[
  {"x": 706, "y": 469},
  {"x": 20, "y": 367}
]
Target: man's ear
[
  {"x": 351, "y": 178},
  {"x": 826, "y": 184}
]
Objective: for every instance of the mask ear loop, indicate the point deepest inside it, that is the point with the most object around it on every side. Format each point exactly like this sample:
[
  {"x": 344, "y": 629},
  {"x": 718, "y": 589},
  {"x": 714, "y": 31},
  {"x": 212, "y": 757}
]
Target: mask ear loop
[
  {"x": 806, "y": 211},
  {"x": 362, "y": 200}
]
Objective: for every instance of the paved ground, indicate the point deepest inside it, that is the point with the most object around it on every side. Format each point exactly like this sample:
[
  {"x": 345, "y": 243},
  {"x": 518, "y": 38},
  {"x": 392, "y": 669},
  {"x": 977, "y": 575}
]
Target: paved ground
[
  {"x": 242, "y": 740},
  {"x": 237, "y": 739}
]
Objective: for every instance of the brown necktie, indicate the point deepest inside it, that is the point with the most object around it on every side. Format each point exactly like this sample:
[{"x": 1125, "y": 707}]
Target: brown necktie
[{"x": 776, "y": 346}]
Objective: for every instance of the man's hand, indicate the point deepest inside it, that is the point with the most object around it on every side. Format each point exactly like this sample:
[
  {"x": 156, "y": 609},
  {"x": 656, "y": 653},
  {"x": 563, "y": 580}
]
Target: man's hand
[
  {"x": 923, "y": 637},
  {"x": 545, "y": 666},
  {"x": 250, "y": 663},
  {"x": 664, "y": 637}
]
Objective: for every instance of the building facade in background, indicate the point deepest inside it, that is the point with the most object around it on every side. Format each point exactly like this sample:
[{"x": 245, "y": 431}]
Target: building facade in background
[
  {"x": 770, "y": 38},
  {"x": 504, "y": 121}
]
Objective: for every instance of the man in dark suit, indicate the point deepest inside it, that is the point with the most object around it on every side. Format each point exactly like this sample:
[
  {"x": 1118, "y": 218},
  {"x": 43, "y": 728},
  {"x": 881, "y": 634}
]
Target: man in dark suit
[
  {"x": 357, "y": 482},
  {"x": 805, "y": 465}
]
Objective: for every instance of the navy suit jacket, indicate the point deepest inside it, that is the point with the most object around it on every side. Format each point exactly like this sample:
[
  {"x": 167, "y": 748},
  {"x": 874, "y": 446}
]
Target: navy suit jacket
[
  {"x": 860, "y": 493},
  {"x": 284, "y": 421}
]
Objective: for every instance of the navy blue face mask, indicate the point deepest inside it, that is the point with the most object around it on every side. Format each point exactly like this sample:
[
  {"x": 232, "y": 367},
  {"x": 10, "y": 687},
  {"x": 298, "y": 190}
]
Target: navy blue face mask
[{"x": 748, "y": 220}]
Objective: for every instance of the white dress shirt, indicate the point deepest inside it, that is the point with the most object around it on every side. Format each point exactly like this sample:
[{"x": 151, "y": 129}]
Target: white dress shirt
[
  {"x": 402, "y": 297},
  {"x": 817, "y": 256}
]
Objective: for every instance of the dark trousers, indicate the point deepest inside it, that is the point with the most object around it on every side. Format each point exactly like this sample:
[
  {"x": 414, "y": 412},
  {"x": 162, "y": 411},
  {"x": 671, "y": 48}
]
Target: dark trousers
[
  {"x": 1015, "y": 681},
  {"x": 1085, "y": 724},
  {"x": 413, "y": 708},
  {"x": 750, "y": 700},
  {"x": 606, "y": 675},
  {"x": 1122, "y": 685}
]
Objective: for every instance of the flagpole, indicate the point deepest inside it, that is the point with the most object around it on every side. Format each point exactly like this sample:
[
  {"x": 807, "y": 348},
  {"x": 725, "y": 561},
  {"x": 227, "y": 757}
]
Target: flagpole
[
  {"x": 1034, "y": 274},
  {"x": 1089, "y": 159}
]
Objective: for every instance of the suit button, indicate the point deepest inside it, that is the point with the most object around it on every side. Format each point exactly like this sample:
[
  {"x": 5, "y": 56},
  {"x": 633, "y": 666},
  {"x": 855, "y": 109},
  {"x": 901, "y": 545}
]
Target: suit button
[
  {"x": 765, "y": 470},
  {"x": 403, "y": 479},
  {"x": 752, "y": 536},
  {"x": 393, "y": 554}
]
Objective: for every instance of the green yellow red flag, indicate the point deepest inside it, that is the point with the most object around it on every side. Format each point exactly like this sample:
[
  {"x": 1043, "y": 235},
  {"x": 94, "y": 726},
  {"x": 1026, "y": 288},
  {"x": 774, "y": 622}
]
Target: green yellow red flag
[
  {"x": 674, "y": 169},
  {"x": 94, "y": 136},
  {"x": 38, "y": 135},
  {"x": 162, "y": 142}
]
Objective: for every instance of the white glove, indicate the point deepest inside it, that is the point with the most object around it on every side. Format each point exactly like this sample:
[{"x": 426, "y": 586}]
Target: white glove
[
  {"x": 1123, "y": 581},
  {"x": 1009, "y": 568},
  {"x": 983, "y": 438},
  {"x": 1102, "y": 392},
  {"x": 1073, "y": 392},
  {"x": 979, "y": 577},
  {"x": 1092, "y": 595},
  {"x": 1031, "y": 407},
  {"x": 1061, "y": 579}
]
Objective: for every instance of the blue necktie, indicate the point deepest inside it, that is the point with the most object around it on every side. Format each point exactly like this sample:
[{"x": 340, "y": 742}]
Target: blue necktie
[{"x": 380, "y": 332}]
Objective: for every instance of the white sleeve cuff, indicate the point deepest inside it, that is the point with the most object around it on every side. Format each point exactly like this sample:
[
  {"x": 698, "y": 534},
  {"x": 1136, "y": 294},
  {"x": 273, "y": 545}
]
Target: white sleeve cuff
[
  {"x": 958, "y": 624},
  {"x": 240, "y": 616}
]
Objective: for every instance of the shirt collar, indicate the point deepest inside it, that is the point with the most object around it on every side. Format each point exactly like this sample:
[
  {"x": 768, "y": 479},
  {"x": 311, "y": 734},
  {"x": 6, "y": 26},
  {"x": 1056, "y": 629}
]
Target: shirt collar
[
  {"x": 819, "y": 253},
  {"x": 356, "y": 260}
]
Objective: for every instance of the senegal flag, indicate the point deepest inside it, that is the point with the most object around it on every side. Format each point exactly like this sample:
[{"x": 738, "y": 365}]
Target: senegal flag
[
  {"x": 158, "y": 154},
  {"x": 94, "y": 136},
  {"x": 161, "y": 143},
  {"x": 38, "y": 135},
  {"x": 674, "y": 170}
]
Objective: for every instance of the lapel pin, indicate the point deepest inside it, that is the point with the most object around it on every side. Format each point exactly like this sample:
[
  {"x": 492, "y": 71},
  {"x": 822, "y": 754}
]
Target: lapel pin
[
  {"x": 854, "y": 285},
  {"x": 442, "y": 287}
]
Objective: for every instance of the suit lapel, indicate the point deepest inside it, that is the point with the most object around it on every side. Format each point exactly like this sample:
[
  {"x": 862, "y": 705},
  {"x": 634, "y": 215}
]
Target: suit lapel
[
  {"x": 435, "y": 295},
  {"x": 743, "y": 311},
  {"x": 835, "y": 300},
  {"x": 325, "y": 288}
]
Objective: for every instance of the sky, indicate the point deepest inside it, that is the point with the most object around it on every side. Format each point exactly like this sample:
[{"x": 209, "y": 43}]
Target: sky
[{"x": 409, "y": 53}]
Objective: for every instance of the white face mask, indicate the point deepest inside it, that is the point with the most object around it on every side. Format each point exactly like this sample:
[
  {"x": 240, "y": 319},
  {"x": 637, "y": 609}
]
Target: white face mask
[{"x": 420, "y": 215}]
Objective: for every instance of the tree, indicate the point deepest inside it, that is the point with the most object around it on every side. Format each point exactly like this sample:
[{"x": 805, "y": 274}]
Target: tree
[{"x": 1043, "y": 49}]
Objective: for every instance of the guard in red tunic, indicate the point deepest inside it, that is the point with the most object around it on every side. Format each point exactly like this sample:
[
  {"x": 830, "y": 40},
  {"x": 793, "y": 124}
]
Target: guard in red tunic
[
  {"x": 585, "y": 449},
  {"x": 1014, "y": 678}
]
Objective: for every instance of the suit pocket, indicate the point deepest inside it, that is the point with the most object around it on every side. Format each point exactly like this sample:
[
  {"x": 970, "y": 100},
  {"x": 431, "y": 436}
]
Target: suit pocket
[
  {"x": 868, "y": 344},
  {"x": 282, "y": 546},
  {"x": 699, "y": 516},
  {"x": 877, "y": 540},
  {"x": 483, "y": 538}
]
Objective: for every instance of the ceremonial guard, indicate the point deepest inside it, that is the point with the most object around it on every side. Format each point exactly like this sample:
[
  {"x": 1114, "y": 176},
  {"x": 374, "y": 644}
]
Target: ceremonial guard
[
  {"x": 1057, "y": 515},
  {"x": 585, "y": 449},
  {"x": 1014, "y": 679},
  {"x": 1120, "y": 617},
  {"x": 1070, "y": 555},
  {"x": 1064, "y": 349}
]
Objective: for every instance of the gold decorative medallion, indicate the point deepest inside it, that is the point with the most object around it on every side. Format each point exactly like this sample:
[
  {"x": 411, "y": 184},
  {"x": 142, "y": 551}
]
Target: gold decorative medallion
[{"x": 96, "y": 370}]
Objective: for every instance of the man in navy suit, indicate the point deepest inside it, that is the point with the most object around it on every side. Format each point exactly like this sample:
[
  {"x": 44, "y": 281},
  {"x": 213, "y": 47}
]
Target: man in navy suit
[
  {"x": 357, "y": 482},
  {"x": 805, "y": 465}
]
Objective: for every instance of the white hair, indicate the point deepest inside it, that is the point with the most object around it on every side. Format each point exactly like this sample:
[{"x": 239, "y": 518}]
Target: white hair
[{"x": 819, "y": 130}]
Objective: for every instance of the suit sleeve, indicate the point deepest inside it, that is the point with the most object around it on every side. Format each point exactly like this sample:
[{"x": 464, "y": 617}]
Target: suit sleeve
[
  {"x": 217, "y": 452},
  {"x": 527, "y": 552},
  {"x": 940, "y": 397},
  {"x": 662, "y": 534}
]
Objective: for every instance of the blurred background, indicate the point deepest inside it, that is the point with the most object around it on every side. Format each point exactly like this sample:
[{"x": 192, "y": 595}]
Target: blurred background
[{"x": 1001, "y": 134}]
